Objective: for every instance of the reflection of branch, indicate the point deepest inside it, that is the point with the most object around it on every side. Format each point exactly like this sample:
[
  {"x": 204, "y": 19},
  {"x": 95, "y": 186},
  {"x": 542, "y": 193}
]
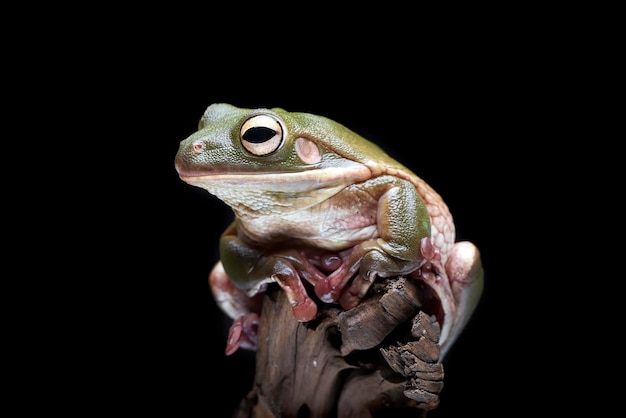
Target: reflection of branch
[{"x": 377, "y": 359}]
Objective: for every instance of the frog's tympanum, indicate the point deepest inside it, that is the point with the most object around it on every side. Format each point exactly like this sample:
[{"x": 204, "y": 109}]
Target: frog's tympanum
[{"x": 322, "y": 212}]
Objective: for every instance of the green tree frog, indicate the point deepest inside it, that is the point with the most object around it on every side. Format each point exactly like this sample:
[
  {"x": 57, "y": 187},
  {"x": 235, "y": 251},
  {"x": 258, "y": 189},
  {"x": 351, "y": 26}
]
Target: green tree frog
[{"x": 322, "y": 212}]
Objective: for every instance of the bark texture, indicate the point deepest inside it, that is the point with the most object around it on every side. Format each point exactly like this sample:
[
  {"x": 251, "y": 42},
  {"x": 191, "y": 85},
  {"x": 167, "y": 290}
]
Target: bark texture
[{"x": 379, "y": 359}]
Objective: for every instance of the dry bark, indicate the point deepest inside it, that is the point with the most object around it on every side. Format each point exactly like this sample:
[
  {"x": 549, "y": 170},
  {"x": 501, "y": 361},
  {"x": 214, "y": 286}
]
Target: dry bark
[{"x": 378, "y": 359}]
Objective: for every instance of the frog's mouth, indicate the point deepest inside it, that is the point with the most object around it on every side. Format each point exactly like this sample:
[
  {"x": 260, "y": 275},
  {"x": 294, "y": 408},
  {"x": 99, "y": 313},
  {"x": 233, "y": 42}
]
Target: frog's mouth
[{"x": 311, "y": 180}]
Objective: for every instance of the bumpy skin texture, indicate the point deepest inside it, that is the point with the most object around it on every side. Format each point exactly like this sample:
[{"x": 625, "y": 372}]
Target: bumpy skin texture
[{"x": 322, "y": 212}]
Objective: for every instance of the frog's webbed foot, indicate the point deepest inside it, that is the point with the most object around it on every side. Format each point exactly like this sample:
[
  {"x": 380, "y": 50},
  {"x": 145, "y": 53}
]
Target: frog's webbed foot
[
  {"x": 286, "y": 275},
  {"x": 243, "y": 333},
  {"x": 329, "y": 289},
  {"x": 438, "y": 297},
  {"x": 289, "y": 269},
  {"x": 359, "y": 269}
]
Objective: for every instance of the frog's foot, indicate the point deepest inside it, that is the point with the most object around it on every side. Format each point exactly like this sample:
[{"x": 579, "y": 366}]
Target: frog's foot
[
  {"x": 438, "y": 297},
  {"x": 243, "y": 333},
  {"x": 359, "y": 269},
  {"x": 330, "y": 288},
  {"x": 291, "y": 268},
  {"x": 303, "y": 307},
  {"x": 353, "y": 293}
]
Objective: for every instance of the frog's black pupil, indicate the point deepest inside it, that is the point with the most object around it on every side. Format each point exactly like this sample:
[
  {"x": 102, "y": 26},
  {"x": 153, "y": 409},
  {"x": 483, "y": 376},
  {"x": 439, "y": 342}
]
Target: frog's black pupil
[{"x": 258, "y": 134}]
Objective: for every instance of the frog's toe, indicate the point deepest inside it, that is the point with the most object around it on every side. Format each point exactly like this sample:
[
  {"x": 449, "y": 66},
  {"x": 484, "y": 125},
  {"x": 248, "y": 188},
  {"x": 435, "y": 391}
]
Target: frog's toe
[
  {"x": 305, "y": 311},
  {"x": 325, "y": 291},
  {"x": 328, "y": 289},
  {"x": 352, "y": 294},
  {"x": 243, "y": 333}
]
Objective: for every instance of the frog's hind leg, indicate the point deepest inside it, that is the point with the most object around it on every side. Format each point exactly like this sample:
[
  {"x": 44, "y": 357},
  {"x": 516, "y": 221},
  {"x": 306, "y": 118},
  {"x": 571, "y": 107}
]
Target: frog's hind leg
[
  {"x": 455, "y": 287},
  {"x": 231, "y": 299},
  {"x": 466, "y": 276},
  {"x": 239, "y": 306}
]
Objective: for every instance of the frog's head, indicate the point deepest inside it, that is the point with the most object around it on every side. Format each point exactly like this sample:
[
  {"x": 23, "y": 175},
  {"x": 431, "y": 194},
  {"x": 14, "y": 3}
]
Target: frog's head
[
  {"x": 248, "y": 142},
  {"x": 273, "y": 152}
]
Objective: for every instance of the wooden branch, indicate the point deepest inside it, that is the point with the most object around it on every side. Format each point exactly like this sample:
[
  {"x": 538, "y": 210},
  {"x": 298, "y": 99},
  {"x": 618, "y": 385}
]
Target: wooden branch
[{"x": 378, "y": 359}]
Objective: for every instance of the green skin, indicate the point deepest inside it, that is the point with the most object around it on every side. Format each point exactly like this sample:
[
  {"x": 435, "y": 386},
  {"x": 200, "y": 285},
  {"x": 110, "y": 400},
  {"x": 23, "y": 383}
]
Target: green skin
[{"x": 316, "y": 203}]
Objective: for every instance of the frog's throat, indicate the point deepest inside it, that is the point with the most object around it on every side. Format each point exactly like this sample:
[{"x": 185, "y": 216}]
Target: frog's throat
[{"x": 254, "y": 203}]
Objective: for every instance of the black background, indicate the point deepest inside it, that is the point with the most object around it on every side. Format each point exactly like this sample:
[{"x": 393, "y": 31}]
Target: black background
[
  {"x": 158, "y": 335},
  {"x": 117, "y": 250}
]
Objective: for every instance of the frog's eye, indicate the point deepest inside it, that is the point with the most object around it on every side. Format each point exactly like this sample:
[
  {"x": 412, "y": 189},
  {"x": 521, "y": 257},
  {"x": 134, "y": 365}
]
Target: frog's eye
[{"x": 262, "y": 134}]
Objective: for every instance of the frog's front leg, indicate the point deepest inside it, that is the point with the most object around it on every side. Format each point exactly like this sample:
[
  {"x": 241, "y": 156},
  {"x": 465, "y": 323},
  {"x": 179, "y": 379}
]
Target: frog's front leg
[
  {"x": 251, "y": 268},
  {"x": 402, "y": 221}
]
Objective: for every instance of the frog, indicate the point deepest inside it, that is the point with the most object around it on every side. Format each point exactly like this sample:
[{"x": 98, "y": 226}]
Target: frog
[{"x": 323, "y": 213}]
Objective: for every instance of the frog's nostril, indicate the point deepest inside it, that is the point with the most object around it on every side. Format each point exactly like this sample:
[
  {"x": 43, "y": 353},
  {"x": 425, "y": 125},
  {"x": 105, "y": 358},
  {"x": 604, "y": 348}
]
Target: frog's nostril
[{"x": 198, "y": 146}]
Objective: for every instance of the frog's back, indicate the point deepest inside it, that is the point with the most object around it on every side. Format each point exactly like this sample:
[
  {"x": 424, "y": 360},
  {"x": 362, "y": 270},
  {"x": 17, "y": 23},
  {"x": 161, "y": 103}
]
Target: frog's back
[{"x": 351, "y": 145}]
